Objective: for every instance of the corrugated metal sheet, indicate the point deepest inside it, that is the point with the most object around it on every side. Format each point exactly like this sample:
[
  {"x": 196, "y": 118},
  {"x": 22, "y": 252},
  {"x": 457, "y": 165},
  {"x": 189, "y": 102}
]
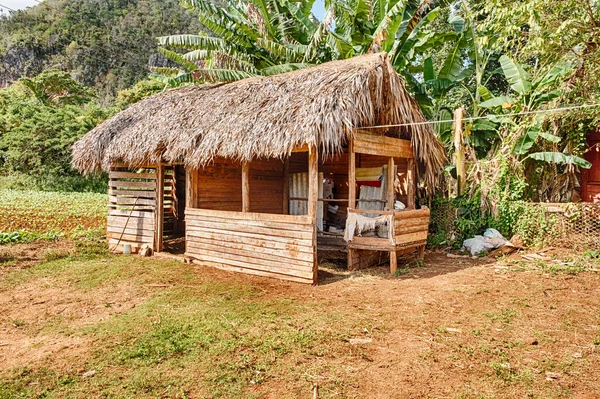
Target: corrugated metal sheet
[{"x": 298, "y": 188}]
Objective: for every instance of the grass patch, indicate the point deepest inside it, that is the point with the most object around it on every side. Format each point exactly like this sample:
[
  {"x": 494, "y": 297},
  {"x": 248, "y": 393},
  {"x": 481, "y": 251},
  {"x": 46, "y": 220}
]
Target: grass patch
[{"x": 210, "y": 337}]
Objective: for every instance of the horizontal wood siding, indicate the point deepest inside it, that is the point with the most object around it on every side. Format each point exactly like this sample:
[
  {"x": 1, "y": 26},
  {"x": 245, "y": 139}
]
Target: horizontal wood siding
[
  {"x": 280, "y": 246},
  {"x": 266, "y": 186},
  {"x": 219, "y": 186},
  {"x": 410, "y": 227},
  {"x": 365, "y": 143},
  {"x": 131, "y": 209}
]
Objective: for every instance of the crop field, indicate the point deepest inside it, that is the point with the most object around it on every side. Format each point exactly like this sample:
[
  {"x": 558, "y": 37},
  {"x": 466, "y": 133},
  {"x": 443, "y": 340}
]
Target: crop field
[{"x": 39, "y": 213}]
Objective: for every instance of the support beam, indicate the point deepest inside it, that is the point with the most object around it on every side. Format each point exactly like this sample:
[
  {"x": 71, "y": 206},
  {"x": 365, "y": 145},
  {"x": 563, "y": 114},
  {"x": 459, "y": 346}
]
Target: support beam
[
  {"x": 410, "y": 184},
  {"x": 245, "y": 187},
  {"x": 393, "y": 262},
  {"x": 313, "y": 201},
  {"x": 191, "y": 188},
  {"x": 391, "y": 178},
  {"x": 351, "y": 175},
  {"x": 313, "y": 181},
  {"x": 286, "y": 186},
  {"x": 160, "y": 207}
]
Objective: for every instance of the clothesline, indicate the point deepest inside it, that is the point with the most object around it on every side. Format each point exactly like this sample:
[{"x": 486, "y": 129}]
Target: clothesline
[{"x": 562, "y": 109}]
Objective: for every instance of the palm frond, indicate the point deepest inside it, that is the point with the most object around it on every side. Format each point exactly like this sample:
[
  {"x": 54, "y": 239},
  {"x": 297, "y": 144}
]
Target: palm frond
[
  {"x": 282, "y": 68},
  {"x": 196, "y": 42},
  {"x": 178, "y": 58},
  {"x": 221, "y": 75}
]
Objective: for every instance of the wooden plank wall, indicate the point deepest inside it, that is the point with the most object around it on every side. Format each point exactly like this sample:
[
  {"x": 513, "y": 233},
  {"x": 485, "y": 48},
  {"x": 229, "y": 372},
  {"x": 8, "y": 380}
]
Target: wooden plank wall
[
  {"x": 131, "y": 209},
  {"x": 266, "y": 186},
  {"x": 219, "y": 186},
  {"x": 279, "y": 246}
]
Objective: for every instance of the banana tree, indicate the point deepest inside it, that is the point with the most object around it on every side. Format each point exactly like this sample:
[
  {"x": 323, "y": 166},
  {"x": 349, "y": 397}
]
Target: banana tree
[
  {"x": 531, "y": 94},
  {"x": 264, "y": 37}
]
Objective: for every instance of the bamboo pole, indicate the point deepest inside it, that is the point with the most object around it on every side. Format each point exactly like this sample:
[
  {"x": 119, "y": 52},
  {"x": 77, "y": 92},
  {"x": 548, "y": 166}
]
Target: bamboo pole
[{"x": 459, "y": 150}]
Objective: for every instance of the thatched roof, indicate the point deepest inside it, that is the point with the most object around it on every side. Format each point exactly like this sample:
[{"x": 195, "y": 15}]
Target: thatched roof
[{"x": 263, "y": 117}]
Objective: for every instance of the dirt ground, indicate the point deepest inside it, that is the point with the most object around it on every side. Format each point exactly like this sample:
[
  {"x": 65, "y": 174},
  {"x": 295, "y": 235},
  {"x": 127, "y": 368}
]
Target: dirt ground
[{"x": 454, "y": 327}]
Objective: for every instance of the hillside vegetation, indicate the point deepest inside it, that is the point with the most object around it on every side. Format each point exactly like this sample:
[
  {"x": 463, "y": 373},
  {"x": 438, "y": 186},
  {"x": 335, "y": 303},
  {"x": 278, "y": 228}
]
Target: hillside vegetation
[{"x": 105, "y": 44}]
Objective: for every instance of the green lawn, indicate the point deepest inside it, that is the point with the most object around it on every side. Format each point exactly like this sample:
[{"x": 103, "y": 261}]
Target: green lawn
[{"x": 187, "y": 333}]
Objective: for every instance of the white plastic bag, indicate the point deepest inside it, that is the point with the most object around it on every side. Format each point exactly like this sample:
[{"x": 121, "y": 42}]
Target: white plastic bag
[
  {"x": 492, "y": 233},
  {"x": 477, "y": 245}
]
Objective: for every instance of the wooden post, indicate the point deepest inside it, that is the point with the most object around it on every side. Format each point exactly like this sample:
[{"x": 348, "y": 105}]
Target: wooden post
[
  {"x": 351, "y": 192},
  {"x": 351, "y": 175},
  {"x": 313, "y": 200},
  {"x": 391, "y": 177},
  {"x": 286, "y": 186},
  {"x": 160, "y": 207},
  {"x": 421, "y": 252},
  {"x": 245, "y": 187},
  {"x": 191, "y": 188},
  {"x": 459, "y": 151},
  {"x": 410, "y": 183},
  {"x": 393, "y": 255},
  {"x": 313, "y": 181}
]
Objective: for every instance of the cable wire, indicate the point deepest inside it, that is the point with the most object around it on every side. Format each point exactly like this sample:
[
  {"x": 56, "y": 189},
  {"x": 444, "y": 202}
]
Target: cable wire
[{"x": 569, "y": 108}]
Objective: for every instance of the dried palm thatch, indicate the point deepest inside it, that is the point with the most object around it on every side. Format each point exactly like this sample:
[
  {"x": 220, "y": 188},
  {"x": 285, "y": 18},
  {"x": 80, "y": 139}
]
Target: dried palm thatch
[{"x": 263, "y": 117}]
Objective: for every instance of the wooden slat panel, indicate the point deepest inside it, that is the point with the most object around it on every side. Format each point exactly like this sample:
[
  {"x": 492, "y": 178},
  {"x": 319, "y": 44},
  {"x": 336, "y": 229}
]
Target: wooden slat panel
[
  {"x": 131, "y": 208},
  {"x": 149, "y": 238},
  {"x": 382, "y": 145},
  {"x": 253, "y": 223},
  {"x": 245, "y": 270},
  {"x": 410, "y": 229},
  {"x": 418, "y": 213},
  {"x": 251, "y": 250},
  {"x": 411, "y": 237},
  {"x": 279, "y": 246},
  {"x": 130, "y": 230},
  {"x": 146, "y": 223},
  {"x": 256, "y": 256},
  {"x": 132, "y": 214},
  {"x": 283, "y": 219},
  {"x": 233, "y": 227},
  {"x": 132, "y": 184},
  {"x": 131, "y": 175},
  {"x": 275, "y": 243},
  {"x": 130, "y": 200},
  {"x": 400, "y": 223},
  {"x": 281, "y": 268},
  {"x": 137, "y": 242},
  {"x": 134, "y": 193}
]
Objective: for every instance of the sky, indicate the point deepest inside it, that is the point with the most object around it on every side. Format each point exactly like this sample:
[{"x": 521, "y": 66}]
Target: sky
[
  {"x": 15, "y": 5},
  {"x": 318, "y": 9}
]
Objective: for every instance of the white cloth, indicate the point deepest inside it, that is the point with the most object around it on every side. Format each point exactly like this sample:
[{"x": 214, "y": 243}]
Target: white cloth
[{"x": 357, "y": 223}]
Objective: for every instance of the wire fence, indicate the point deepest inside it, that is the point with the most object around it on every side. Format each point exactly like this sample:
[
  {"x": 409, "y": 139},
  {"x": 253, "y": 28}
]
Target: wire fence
[
  {"x": 566, "y": 225},
  {"x": 577, "y": 225}
]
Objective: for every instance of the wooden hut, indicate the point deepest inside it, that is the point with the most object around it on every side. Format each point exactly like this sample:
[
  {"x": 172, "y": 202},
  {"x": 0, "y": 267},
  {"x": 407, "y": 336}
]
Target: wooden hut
[{"x": 260, "y": 174}]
